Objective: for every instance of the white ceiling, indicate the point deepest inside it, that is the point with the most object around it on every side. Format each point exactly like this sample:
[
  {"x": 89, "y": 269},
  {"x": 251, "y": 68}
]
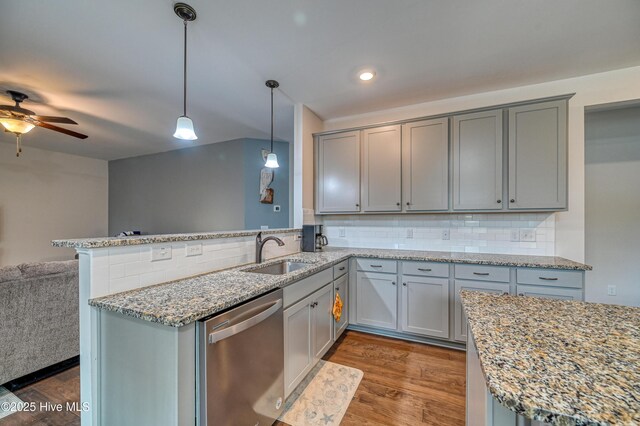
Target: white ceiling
[{"x": 115, "y": 66}]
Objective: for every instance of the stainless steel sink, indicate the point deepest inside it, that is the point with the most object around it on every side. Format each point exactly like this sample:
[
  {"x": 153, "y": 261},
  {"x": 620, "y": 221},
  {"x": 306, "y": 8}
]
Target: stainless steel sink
[{"x": 278, "y": 268}]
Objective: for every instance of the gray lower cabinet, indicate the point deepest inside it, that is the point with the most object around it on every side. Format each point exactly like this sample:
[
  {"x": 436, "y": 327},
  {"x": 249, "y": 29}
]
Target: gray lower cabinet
[
  {"x": 341, "y": 287},
  {"x": 538, "y": 156},
  {"x": 376, "y": 300},
  {"x": 308, "y": 334},
  {"x": 549, "y": 292},
  {"x": 425, "y": 165},
  {"x": 338, "y": 173},
  {"x": 425, "y": 306},
  {"x": 460, "y": 320},
  {"x": 381, "y": 163},
  {"x": 477, "y": 161}
]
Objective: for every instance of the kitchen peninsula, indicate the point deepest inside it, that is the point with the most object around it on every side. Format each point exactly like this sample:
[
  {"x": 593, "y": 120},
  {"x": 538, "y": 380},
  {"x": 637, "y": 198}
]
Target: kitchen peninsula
[{"x": 142, "y": 345}]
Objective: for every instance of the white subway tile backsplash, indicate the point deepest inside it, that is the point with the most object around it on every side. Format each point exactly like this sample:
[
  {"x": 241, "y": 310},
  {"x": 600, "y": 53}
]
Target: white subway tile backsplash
[{"x": 485, "y": 233}]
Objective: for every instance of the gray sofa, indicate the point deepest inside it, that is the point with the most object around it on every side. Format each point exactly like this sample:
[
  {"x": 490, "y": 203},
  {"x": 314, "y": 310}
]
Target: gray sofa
[{"x": 38, "y": 316}]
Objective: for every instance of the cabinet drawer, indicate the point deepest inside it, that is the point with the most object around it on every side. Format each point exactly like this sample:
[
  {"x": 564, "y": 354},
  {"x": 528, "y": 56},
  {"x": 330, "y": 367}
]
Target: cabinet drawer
[
  {"x": 340, "y": 269},
  {"x": 482, "y": 273},
  {"x": 426, "y": 269},
  {"x": 377, "y": 265},
  {"x": 303, "y": 288},
  {"x": 549, "y": 293},
  {"x": 549, "y": 277}
]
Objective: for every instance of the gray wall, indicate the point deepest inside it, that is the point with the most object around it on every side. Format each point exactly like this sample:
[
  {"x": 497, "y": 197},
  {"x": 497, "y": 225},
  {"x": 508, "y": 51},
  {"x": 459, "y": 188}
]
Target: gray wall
[
  {"x": 213, "y": 187},
  {"x": 256, "y": 213},
  {"x": 612, "y": 205}
]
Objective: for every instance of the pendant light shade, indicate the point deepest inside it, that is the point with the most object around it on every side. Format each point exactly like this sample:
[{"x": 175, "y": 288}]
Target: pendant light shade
[
  {"x": 184, "y": 126},
  {"x": 184, "y": 129},
  {"x": 272, "y": 158},
  {"x": 272, "y": 161}
]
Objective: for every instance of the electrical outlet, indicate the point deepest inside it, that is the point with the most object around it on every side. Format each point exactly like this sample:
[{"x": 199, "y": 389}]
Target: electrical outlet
[
  {"x": 276, "y": 208},
  {"x": 194, "y": 249},
  {"x": 342, "y": 233},
  {"x": 445, "y": 234},
  {"x": 611, "y": 290},
  {"x": 160, "y": 253},
  {"x": 528, "y": 235},
  {"x": 515, "y": 235},
  {"x": 409, "y": 233}
]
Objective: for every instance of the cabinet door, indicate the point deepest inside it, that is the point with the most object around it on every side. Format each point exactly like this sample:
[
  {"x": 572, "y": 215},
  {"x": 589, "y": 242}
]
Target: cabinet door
[
  {"x": 376, "y": 300},
  {"x": 538, "y": 156},
  {"x": 298, "y": 359},
  {"x": 382, "y": 169},
  {"x": 338, "y": 174},
  {"x": 425, "y": 165},
  {"x": 322, "y": 321},
  {"x": 549, "y": 292},
  {"x": 477, "y": 161},
  {"x": 460, "y": 319},
  {"x": 425, "y": 306},
  {"x": 341, "y": 287}
]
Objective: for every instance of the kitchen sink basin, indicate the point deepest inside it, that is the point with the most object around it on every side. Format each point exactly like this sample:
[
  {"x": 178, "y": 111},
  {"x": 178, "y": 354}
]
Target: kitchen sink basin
[{"x": 278, "y": 268}]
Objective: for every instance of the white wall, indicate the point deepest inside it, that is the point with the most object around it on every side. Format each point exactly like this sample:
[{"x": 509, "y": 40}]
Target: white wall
[
  {"x": 45, "y": 195},
  {"x": 608, "y": 87},
  {"x": 306, "y": 123},
  {"x": 613, "y": 205}
]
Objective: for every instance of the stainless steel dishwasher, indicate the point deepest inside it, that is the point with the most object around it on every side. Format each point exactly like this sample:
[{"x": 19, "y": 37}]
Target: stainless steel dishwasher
[{"x": 242, "y": 364}]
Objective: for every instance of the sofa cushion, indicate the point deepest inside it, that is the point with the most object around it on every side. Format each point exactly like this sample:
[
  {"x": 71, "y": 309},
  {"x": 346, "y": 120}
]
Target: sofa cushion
[
  {"x": 9, "y": 273},
  {"x": 38, "y": 269}
]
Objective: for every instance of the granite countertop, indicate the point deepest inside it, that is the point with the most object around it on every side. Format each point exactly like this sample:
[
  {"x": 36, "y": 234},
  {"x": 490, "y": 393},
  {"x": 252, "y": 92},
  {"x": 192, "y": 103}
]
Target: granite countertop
[
  {"x": 184, "y": 301},
  {"x": 557, "y": 361},
  {"x": 134, "y": 240}
]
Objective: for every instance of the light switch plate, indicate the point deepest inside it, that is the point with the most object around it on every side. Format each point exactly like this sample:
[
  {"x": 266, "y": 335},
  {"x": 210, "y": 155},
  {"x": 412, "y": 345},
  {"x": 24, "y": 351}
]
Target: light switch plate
[
  {"x": 515, "y": 235},
  {"x": 160, "y": 253},
  {"x": 276, "y": 208},
  {"x": 611, "y": 290},
  {"x": 194, "y": 249},
  {"x": 342, "y": 233},
  {"x": 409, "y": 233},
  {"x": 528, "y": 235}
]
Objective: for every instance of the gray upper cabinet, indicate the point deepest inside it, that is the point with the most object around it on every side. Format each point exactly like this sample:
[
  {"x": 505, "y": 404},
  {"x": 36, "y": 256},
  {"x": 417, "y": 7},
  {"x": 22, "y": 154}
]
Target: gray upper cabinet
[
  {"x": 338, "y": 173},
  {"x": 477, "y": 161},
  {"x": 538, "y": 156},
  {"x": 425, "y": 165},
  {"x": 381, "y": 162}
]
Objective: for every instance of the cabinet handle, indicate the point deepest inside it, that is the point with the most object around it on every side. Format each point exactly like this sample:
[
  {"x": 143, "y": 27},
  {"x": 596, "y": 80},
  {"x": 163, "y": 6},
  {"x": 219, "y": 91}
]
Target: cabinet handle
[
  {"x": 393, "y": 283},
  {"x": 341, "y": 269},
  {"x": 376, "y": 266},
  {"x": 398, "y": 204},
  {"x": 408, "y": 203},
  {"x": 357, "y": 205},
  {"x": 513, "y": 200},
  {"x": 505, "y": 293},
  {"x": 548, "y": 279},
  {"x": 337, "y": 288},
  {"x": 424, "y": 269},
  {"x": 499, "y": 201},
  {"x": 404, "y": 284},
  {"x": 481, "y": 273},
  {"x": 520, "y": 294}
]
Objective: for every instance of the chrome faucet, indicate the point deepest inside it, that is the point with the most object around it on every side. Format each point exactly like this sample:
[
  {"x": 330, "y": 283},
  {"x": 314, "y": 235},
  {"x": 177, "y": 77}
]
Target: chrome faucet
[{"x": 260, "y": 244}]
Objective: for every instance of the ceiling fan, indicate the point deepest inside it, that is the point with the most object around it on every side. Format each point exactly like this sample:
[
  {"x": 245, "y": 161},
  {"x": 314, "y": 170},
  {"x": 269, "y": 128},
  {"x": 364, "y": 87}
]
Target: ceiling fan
[{"x": 19, "y": 121}]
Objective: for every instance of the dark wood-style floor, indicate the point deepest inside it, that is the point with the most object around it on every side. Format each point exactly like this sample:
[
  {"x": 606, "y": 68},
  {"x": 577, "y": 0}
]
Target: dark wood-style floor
[{"x": 404, "y": 383}]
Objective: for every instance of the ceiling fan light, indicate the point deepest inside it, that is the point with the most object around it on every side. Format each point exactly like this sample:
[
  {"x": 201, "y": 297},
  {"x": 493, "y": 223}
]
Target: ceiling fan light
[
  {"x": 184, "y": 129},
  {"x": 16, "y": 126},
  {"x": 272, "y": 161}
]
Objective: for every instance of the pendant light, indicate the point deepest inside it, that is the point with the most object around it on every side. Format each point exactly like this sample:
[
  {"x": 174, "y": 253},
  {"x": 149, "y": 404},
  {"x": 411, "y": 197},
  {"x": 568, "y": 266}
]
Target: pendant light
[
  {"x": 272, "y": 158},
  {"x": 184, "y": 126}
]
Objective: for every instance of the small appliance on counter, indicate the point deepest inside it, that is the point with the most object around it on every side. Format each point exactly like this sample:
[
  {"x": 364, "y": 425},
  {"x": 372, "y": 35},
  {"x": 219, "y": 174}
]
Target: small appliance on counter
[{"x": 312, "y": 238}]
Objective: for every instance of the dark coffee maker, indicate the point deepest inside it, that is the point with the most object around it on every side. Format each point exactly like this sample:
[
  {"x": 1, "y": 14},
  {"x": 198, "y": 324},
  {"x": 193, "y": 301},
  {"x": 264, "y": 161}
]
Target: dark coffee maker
[{"x": 312, "y": 238}]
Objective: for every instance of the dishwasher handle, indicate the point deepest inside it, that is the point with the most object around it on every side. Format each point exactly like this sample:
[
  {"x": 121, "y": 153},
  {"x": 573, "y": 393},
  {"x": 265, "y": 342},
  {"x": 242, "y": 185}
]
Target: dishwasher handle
[{"x": 217, "y": 336}]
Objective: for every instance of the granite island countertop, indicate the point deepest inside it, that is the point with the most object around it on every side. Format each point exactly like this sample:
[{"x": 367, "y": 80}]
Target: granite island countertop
[
  {"x": 184, "y": 301},
  {"x": 564, "y": 362}
]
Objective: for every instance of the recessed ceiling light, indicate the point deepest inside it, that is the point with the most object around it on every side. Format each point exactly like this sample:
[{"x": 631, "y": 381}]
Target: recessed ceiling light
[{"x": 367, "y": 75}]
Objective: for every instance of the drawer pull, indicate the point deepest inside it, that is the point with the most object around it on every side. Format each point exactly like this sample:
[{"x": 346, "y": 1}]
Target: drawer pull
[
  {"x": 481, "y": 273},
  {"x": 376, "y": 266},
  {"x": 505, "y": 293},
  {"x": 393, "y": 283},
  {"x": 520, "y": 294},
  {"x": 337, "y": 288},
  {"x": 548, "y": 279},
  {"x": 424, "y": 269},
  {"x": 341, "y": 269}
]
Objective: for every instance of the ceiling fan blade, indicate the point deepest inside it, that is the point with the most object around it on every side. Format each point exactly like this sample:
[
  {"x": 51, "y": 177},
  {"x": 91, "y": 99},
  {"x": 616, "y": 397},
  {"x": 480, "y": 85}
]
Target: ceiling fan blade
[
  {"x": 51, "y": 119},
  {"x": 60, "y": 129}
]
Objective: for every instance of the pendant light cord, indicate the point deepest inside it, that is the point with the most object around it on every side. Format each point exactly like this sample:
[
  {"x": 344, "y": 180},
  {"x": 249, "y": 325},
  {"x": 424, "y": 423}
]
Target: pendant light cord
[
  {"x": 184, "y": 106},
  {"x": 272, "y": 119}
]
